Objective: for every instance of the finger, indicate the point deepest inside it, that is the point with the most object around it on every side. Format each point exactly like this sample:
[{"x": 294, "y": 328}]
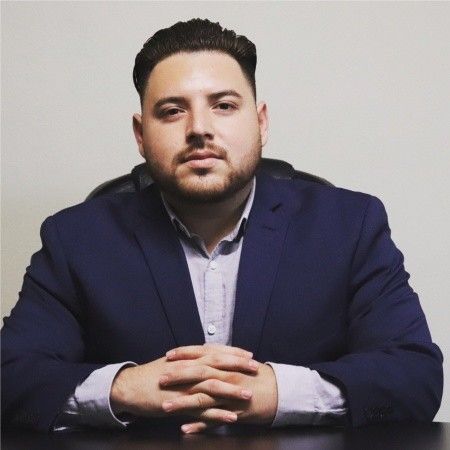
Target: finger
[
  {"x": 212, "y": 367},
  {"x": 189, "y": 374},
  {"x": 221, "y": 389},
  {"x": 196, "y": 351},
  {"x": 224, "y": 361},
  {"x": 197, "y": 427},
  {"x": 189, "y": 402},
  {"x": 212, "y": 417},
  {"x": 217, "y": 416}
]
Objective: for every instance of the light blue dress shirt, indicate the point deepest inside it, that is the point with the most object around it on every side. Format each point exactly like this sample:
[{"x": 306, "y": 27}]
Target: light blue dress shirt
[{"x": 304, "y": 397}]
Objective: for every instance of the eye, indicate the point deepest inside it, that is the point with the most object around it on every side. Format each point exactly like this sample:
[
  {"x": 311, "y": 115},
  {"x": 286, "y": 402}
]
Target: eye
[
  {"x": 225, "y": 106},
  {"x": 171, "y": 112}
]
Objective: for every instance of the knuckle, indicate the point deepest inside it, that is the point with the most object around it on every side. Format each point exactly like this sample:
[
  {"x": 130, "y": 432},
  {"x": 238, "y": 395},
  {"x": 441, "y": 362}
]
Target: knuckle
[
  {"x": 203, "y": 372},
  {"x": 212, "y": 345},
  {"x": 200, "y": 399},
  {"x": 233, "y": 361},
  {"x": 206, "y": 348},
  {"x": 214, "y": 385},
  {"x": 242, "y": 362},
  {"x": 215, "y": 359},
  {"x": 170, "y": 376},
  {"x": 209, "y": 414}
]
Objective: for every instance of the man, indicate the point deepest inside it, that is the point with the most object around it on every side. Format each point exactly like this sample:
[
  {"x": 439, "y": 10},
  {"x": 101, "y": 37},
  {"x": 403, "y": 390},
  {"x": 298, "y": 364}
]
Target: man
[{"x": 296, "y": 288}]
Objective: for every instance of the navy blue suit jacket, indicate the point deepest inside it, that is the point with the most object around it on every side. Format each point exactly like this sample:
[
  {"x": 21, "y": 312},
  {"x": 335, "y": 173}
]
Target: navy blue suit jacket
[{"x": 320, "y": 284}]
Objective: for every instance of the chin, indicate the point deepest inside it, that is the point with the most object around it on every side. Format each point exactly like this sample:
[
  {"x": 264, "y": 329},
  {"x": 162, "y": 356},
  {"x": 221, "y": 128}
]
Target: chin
[
  {"x": 204, "y": 190},
  {"x": 210, "y": 188}
]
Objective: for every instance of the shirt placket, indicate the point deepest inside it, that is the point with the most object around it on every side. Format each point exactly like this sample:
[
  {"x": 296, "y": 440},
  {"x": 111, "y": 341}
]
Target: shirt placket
[{"x": 214, "y": 302}]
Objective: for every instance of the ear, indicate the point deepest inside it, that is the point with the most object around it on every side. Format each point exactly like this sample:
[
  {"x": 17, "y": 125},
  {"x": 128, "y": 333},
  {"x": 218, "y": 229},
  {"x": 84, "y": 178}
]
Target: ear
[
  {"x": 263, "y": 120},
  {"x": 138, "y": 134}
]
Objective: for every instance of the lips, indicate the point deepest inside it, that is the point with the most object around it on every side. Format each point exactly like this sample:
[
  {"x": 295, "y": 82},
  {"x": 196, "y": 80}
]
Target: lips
[
  {"x": 202, "y": 155},
  {"x": 202, "y": 160}
]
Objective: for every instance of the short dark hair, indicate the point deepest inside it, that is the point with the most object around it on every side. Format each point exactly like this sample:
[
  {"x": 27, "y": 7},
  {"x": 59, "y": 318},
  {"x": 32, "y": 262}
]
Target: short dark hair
[{"x": 191, "y": 36}]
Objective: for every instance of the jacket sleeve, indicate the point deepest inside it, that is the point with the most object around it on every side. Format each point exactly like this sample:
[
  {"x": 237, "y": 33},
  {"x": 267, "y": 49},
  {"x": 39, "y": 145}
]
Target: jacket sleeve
[
  {"x": 392, "y": 371},
  {"x": 43, "y": 348}
]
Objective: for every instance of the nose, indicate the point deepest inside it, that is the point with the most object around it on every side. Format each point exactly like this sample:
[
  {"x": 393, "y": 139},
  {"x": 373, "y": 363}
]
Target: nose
[{"x": 199, "y": 127}]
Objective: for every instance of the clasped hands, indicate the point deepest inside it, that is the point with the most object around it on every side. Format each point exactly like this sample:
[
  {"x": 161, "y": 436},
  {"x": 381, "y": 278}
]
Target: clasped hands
[{"x": 212, "y": 383}]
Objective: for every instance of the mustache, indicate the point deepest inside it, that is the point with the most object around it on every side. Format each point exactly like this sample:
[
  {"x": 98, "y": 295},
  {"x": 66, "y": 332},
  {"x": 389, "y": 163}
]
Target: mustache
[{"x": 217, "y": 150}]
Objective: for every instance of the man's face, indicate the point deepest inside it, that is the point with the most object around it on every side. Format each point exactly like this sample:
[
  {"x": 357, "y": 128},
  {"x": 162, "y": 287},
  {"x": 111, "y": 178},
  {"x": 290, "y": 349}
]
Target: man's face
[{"x": 200, "y": 130}]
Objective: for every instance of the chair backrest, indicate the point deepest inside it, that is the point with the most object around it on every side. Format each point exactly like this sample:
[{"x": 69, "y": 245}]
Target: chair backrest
[{"x": 139, "y": 178}]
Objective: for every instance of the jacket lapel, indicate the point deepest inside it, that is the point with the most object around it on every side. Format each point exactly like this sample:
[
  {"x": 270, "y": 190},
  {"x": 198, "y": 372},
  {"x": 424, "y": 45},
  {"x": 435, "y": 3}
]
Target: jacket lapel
[
  {"x": 167, "y": 263},
  {"x": 262, "y": 247}
]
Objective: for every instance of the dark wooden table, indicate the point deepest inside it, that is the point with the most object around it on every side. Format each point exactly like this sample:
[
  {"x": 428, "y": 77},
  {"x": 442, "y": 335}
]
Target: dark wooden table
[{"x": 414, "y": 436}]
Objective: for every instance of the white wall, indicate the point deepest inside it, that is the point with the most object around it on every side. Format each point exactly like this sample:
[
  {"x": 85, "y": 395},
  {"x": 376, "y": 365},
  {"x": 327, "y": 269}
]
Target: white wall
[{"x": 358, "y": 93}]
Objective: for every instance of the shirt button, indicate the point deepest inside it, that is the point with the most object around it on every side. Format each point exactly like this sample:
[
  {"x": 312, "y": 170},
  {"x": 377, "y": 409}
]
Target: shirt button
[
  {"x": 211, "y": 329},
  {"x": 213, "y": 265}
]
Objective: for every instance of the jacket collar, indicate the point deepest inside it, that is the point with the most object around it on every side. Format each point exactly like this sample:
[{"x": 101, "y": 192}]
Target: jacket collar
[{"x": 234, "y": 235}]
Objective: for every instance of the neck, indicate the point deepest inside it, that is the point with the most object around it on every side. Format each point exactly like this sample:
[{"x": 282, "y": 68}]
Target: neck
[{"x": 211, "y": 221}]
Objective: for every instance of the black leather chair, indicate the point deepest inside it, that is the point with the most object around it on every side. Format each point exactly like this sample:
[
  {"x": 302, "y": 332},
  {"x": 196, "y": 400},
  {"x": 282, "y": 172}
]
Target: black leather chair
[{"x": 139, "y": 178}]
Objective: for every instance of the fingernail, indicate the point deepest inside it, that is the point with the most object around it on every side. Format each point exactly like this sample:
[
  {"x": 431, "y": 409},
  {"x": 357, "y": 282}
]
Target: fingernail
[
  {"x": 164, "y": 379},
  {"x": 167, "y": 406},
  {"x": 250, "y": 354},
  {"x": 253, "y": 364},
  {"x": 231, "y": 417},
  {"x": 186, "y": 428},
  {"x": 170, "y": 353},
  {"x": 246, "y": 393}
]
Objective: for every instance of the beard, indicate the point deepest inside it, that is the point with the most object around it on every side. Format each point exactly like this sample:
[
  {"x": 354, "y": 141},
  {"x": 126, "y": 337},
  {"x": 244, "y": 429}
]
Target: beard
[{"x": 205, "y": 185}]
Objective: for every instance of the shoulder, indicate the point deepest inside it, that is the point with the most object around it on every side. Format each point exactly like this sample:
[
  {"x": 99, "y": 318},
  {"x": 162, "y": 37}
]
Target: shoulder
[
  {"x": 101, "y": 216},
  {"x": 328, "y": 209},
  {"x": 313, "y": 195},
  {"x": 338, "y": 216},
  {"x": 98, "y": 208}
]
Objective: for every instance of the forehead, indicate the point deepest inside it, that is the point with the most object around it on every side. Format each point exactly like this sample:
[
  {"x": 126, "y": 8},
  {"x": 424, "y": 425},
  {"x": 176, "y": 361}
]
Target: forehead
[{"x": 196, "y": 73}]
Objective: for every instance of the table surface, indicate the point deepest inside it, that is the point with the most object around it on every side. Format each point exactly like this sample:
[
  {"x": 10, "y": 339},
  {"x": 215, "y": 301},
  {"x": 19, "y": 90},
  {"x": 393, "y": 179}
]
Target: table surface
[{"x": 401, "y": 436}]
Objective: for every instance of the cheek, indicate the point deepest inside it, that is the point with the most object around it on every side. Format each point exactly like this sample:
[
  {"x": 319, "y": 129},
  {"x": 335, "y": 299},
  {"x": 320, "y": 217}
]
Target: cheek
[
  {"x": 243, "y": 141},
  {"x": 161, "y": 142}
]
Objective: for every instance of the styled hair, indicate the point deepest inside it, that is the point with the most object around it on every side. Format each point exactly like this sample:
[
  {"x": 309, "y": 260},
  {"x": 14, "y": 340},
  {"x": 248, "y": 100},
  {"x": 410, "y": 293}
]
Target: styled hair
[{"x": 192, "y": 36}]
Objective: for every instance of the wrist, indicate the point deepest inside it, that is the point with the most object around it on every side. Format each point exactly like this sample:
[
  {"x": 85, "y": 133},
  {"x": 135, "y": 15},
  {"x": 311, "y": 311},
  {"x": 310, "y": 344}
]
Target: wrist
[
  {"x": 271, "y": 403},
  {"x": 119, "y": 398}
]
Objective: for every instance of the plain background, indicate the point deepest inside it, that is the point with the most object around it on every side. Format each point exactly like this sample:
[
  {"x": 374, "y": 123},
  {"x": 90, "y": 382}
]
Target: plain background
[{"x": 358, "y": 93}]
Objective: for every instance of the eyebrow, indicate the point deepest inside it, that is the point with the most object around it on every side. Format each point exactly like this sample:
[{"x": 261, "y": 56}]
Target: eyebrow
[{"x": 211, "y": 97}]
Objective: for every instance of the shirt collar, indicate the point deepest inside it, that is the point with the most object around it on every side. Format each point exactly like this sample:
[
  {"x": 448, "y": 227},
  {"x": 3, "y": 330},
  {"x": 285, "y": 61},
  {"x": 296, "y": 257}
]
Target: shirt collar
[{"x": 238, "y": 230}]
